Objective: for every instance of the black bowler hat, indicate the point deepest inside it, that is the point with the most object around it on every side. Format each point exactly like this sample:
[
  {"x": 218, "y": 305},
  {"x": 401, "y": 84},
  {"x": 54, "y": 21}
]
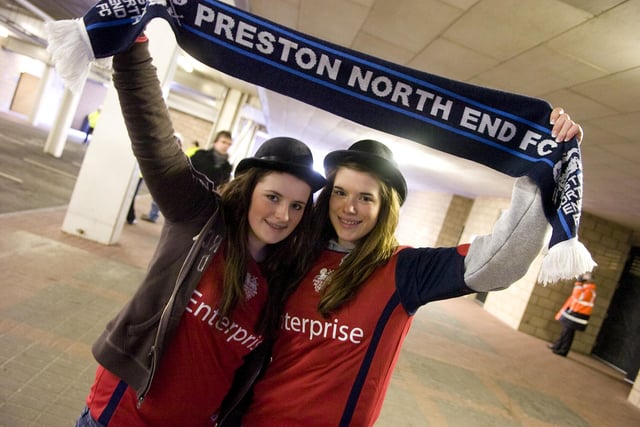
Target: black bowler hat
[
  {"x": 372, "y": 155},
  {"x": 285, "y": 155}
]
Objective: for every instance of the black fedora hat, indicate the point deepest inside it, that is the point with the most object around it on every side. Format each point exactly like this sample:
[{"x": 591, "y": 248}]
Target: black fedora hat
[
  {"x": 285, "y": 154},
  {"x": 375, "y": 156}
]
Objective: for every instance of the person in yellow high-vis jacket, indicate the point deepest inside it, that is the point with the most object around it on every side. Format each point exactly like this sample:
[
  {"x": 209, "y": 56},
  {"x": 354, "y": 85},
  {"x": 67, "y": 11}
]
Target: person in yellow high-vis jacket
[
  {"x": 575, "y": 313},
  {"x": 92, "y": 121}
]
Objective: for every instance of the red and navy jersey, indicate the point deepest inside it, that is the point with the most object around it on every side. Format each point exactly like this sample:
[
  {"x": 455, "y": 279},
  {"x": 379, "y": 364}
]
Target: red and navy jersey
[
  {"x": 197, "y": 369},
  {"x": 335, "y": 371}
]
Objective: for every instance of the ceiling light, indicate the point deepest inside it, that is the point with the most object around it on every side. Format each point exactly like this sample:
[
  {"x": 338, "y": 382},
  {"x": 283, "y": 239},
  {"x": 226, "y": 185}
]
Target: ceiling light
[
  {"x": 185, "y": 64},
  {"x": 405, "y": 154}
]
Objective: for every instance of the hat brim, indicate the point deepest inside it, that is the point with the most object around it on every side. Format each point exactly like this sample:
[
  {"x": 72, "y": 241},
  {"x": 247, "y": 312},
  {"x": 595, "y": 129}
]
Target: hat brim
[
  {"x": 379, "y": 165},
  {"x": 308, "y": 175}
]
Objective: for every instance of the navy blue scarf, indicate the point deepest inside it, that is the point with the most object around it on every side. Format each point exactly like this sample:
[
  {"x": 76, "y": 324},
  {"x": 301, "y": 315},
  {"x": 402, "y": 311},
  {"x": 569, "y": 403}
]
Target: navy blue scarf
[{"x": 504, "y": 131}]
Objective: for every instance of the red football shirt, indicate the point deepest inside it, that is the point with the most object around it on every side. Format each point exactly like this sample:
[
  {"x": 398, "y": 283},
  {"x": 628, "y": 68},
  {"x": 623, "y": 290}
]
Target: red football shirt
[
  {"x": 335, "y": 371},
  {"x": 197, "y": 368}
]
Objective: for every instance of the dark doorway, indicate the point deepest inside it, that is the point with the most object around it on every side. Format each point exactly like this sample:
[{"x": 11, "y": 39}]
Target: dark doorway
[
  {"x": 618, "y": 342},
  {"x": 481, "y": 297}
]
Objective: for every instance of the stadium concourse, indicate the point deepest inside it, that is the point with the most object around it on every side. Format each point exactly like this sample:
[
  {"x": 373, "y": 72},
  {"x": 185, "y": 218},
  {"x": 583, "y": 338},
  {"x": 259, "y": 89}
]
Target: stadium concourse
[{"x": 459, "y": 367}]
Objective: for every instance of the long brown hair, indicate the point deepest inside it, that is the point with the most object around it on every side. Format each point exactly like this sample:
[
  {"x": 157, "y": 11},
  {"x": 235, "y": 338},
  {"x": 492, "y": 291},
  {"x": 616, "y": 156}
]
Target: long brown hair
[
  {"x": 374, "y": 250},
  {"x": 282, "y": 267}
]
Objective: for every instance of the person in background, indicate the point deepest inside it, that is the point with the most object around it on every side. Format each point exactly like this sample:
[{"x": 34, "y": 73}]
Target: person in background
[
  {"x": 575, "y": 313},
  {"x": 215, "y": 285},
  {"x": 131, "y": 213},
  {"x": 92, "y": 121},
  {"x": 154, "y": 213},
  {"x": 342, "y": 328},
  {"x": 214, "y": 162}
]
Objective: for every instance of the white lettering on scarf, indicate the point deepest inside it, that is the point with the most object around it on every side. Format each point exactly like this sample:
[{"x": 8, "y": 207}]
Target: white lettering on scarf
[{"x": 375, "y": 85}]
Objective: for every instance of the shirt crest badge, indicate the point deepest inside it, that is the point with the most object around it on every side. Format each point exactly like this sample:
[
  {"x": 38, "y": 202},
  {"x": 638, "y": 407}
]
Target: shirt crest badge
[
  {"x": 250, "y": 286},
  {"x": 321, "y": 278}
]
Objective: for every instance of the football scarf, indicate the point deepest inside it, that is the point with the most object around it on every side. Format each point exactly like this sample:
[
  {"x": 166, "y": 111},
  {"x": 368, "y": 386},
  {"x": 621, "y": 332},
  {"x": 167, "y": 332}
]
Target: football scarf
[{"x": 504, "y": 131}]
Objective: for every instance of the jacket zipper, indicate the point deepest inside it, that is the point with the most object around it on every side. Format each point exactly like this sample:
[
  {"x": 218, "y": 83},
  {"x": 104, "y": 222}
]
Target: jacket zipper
[
  {"x": 153, "y": 356},
  {"x": 212, "y": 247}
]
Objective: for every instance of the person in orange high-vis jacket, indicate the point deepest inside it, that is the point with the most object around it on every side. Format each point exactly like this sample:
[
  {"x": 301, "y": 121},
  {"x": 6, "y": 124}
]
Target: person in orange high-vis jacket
[{"x": 574, "y": 314}]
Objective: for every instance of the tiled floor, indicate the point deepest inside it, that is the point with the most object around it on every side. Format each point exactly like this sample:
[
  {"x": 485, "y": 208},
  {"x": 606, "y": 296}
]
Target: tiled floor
[
  {"x": 56, "y": 293},
  {"x": 459, "y": 366}
]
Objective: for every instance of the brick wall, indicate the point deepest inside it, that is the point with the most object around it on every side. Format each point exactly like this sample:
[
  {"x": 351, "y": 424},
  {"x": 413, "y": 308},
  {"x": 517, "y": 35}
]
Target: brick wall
[
  {"x": 484, "y": 213},
  {"x": 422, "y": 218},
  {"x": 436, "y": 219},
  {"x": 531, "y": 307},
  {"x": 454, "y": 221},
  {"x": 191, "y": 128},
  {"x": 507, "y": 305}
]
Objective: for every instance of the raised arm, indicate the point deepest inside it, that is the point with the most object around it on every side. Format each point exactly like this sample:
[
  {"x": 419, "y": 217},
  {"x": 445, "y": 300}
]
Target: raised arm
[
  {"x": 166, "y": 170},
  {"x": 497, "y": 260}
]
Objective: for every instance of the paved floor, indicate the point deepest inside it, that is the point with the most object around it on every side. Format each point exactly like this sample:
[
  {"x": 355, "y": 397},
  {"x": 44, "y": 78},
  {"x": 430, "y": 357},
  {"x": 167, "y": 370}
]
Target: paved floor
[
  {"x": 29, "y": 178},
  {"x": 459, "y": 366}
]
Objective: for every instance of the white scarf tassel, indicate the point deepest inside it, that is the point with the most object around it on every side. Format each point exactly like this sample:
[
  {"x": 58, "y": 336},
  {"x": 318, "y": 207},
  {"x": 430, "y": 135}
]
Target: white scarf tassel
[
  {"x": 71, "y": 52},
  {"x": 564, "y": 260}
]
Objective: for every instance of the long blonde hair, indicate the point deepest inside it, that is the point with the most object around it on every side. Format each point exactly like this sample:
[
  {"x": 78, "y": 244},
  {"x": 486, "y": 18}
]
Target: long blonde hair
[
  {"x": 374, "y": 250},
  {"x": 236, "y": 200}
]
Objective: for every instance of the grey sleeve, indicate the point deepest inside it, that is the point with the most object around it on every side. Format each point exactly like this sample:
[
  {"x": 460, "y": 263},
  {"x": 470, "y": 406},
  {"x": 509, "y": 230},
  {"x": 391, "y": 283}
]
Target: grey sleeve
[{"x": 497, "y": 260}]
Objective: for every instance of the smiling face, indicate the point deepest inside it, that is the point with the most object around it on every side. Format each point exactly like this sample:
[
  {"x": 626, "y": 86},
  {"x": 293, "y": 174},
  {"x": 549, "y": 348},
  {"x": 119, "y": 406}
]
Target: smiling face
[
  {"x": 277, "y": 206},
  {"x": 354, "y": 205}
]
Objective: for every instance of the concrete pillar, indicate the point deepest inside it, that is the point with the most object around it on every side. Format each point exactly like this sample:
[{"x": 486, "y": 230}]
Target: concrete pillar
[
  {"x": 229, "y": 113},
  {"x": 243, "y": 142},
  {"x": 45, "y": 82},
  {"x": 109, "y": 172},
  {"x": 57, "y": 137}
]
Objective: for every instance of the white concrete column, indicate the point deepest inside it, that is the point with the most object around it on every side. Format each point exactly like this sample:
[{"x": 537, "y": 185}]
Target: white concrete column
[
  {"x": 109, "y": 172},
  {"x": 57, "y": 137},
  {"x": 229, "y": 113},
  {"x": 243, "y": 142},
  {"x": 45, "y": 82}
]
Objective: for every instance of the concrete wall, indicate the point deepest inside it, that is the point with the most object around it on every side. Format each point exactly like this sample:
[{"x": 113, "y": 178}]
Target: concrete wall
[{"x": 11, "y": 66}]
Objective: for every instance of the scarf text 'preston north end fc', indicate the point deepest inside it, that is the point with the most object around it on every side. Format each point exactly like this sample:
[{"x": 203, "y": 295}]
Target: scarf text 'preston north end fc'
[{"x": 504, "y": 131}]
